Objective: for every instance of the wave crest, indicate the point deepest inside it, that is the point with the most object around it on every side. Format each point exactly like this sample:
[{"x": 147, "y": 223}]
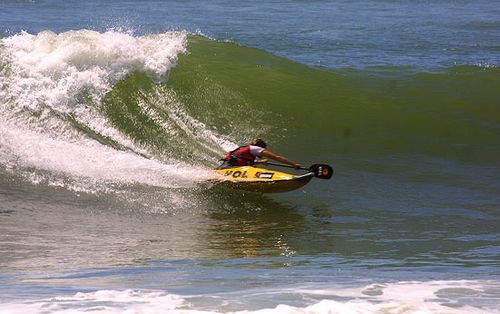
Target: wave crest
[{"x": 60, "y": 70}]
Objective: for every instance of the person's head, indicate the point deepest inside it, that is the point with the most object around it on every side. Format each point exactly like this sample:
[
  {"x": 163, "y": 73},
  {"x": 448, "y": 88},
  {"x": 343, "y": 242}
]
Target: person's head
[{"x": 258, "y": 142}]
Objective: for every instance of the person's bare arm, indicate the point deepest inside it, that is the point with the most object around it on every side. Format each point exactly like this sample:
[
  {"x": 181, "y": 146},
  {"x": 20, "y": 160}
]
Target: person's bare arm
[{"x": 269, "y": 154}]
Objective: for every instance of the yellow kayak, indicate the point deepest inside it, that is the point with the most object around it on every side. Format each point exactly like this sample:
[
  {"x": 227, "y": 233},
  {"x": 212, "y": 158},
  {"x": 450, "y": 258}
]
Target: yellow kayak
[{"x": 251, "y": 178}]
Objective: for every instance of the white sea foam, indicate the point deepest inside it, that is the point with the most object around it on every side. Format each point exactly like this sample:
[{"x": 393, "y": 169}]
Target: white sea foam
[
  {"x": 442, "y": 297},
  {"x": 50, "y": 69},
  {"x": 446, "y": 297},
  {"x": 44, "y": 77},
  {"x": 88, "y": 159}
]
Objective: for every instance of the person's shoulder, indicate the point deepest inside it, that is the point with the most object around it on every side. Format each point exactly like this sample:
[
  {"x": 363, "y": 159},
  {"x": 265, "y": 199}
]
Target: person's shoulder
[{"x": 256, "y": 150}]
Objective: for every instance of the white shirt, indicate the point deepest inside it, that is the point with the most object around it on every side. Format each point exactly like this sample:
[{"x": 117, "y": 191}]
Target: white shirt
[{"x": 256, "y": 150}]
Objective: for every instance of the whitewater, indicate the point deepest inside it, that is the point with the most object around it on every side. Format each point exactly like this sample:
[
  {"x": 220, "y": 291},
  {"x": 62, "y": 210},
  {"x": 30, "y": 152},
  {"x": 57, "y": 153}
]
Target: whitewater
[
  {"x": 401, "y": 297},
  {"x": 52, "y": 81}
]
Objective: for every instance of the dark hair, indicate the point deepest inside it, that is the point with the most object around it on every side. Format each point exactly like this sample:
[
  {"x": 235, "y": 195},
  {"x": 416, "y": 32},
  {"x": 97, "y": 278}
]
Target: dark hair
[{"x": 258, "y": 142}]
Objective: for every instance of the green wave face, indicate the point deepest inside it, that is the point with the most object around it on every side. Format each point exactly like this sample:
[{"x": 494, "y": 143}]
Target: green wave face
[{"x": 313, "y": 114}]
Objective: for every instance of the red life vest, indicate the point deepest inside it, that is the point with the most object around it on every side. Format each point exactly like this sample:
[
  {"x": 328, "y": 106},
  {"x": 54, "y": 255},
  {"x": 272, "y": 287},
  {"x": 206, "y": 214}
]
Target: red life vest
[{"x": 241, "y": 156}]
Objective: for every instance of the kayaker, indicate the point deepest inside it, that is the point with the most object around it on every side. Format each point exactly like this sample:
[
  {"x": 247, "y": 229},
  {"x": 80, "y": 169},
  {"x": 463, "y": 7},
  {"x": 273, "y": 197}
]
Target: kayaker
[{"x": 245, "y": 156}]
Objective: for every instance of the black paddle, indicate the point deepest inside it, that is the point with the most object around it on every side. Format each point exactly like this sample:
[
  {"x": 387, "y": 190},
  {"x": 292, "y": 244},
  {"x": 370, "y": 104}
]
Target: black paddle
[{"x": 320, "y": 171}]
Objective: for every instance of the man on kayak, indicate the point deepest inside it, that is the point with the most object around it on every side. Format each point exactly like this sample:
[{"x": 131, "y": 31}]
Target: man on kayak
[{"x": 245, "y": 156}]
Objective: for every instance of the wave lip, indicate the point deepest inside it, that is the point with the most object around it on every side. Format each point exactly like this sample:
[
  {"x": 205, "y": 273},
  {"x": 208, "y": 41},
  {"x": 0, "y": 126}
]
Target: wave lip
[{"x": 58, "y": 70}]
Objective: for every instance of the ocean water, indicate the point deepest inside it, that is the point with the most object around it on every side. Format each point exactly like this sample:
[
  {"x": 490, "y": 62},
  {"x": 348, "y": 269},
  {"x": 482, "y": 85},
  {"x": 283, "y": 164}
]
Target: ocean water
[{"x": 112, "y": 114}]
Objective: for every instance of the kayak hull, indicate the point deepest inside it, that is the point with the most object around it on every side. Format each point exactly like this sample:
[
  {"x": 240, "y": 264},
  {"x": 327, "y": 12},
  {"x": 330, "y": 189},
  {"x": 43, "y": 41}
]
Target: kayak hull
[{"x": 255, "y": 179}]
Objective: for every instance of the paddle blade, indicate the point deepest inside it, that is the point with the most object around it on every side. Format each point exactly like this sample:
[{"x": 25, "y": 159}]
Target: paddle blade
[{"x": 321, "y": 171}]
